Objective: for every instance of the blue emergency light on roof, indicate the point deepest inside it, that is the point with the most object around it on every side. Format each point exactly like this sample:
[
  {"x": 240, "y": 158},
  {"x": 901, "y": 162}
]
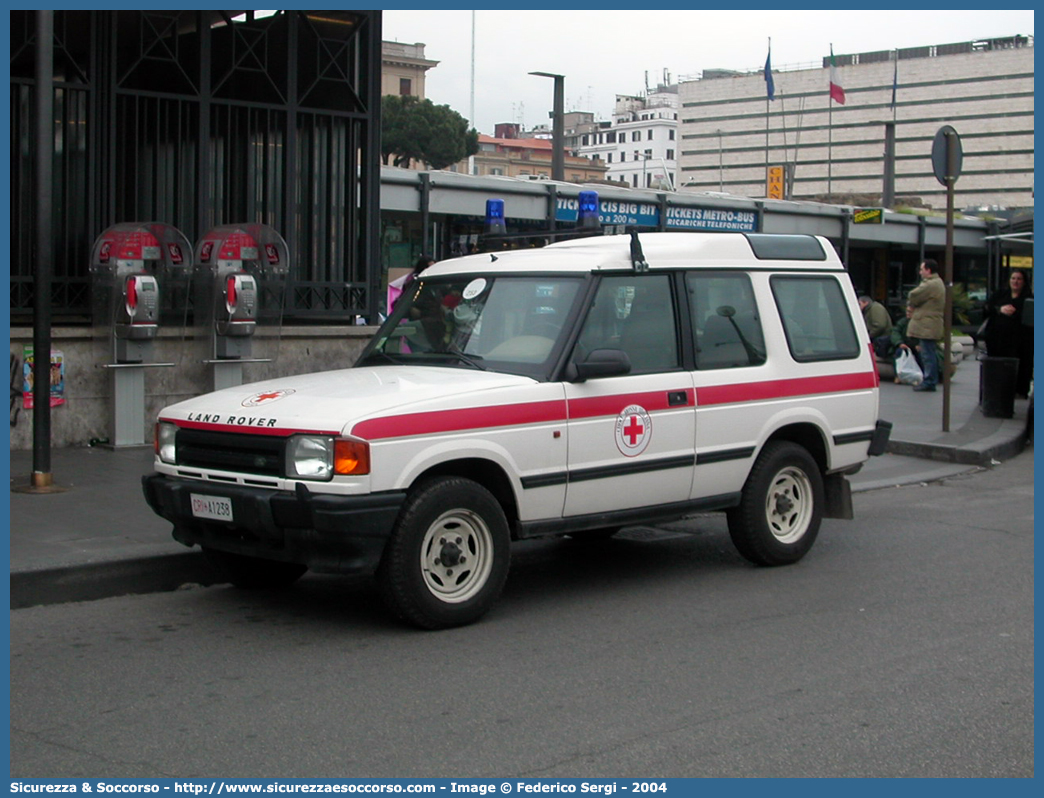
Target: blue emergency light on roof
[
  {"x": 587, "y": 217},
  {"x": 495, "y": 217}
]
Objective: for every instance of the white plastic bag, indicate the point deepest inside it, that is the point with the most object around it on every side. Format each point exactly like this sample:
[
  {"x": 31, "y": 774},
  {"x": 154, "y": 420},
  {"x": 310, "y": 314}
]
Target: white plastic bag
[{"x": 906, "y": 368}]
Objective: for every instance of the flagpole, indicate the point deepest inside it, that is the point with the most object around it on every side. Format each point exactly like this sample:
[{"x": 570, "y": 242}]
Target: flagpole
[
  {"x": 830, "y": 132},
  {"x": 767, "y": 100},
  {"x": 830, "y": 147},
  {"x": 895, "y": 84}
]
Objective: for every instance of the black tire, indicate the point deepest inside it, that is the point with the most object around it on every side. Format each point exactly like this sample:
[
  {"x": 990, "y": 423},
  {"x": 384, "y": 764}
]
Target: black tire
[
  {"x": 448, "y": 556},
  {"x": 253, "y": 573},
  {"x": 779, "y": 513}
]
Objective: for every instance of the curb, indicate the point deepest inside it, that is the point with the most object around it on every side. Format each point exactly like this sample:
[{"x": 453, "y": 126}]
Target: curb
[
  {"x": 97, "y": 580},
  {"x": 982, "y": 454}
]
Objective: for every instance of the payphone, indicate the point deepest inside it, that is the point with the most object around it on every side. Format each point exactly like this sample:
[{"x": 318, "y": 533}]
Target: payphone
[
  {"x": 238, "y": 288},
  {"x": 140, "y": 276}
]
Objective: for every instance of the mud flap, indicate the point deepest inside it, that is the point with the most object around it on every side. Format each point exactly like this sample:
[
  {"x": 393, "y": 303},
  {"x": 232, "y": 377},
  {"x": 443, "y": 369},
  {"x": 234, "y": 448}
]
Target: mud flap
[{"x": 838, "y": 493}]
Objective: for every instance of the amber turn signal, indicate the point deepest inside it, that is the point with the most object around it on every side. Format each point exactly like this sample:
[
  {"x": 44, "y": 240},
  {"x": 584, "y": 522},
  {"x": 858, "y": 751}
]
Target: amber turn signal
[{"x": 351, "y": 457}]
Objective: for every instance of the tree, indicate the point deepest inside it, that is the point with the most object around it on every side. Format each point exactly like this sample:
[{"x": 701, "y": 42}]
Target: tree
[{"x": 418, "y": 130}]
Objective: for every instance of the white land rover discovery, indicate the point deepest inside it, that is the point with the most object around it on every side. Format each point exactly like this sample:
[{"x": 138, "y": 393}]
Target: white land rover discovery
[{"x": 573, "y": 390}]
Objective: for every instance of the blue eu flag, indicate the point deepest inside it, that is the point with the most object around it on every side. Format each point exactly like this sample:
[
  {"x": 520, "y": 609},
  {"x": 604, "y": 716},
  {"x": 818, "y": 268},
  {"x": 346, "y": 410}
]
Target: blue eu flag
[{"x": 769, "y": 83}]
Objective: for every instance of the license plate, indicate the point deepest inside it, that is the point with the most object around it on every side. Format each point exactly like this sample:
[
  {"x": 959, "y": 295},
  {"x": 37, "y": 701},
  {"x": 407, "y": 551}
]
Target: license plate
[{"x": 215, "y": 508}]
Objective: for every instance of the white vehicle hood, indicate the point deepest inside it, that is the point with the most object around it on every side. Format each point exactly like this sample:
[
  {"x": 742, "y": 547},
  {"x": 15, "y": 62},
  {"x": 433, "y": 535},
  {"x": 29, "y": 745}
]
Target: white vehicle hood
[{"x": 334, "y": 401}]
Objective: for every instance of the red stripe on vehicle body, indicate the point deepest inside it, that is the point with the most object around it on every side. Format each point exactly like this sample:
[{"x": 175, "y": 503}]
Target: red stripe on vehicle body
[
  {"x": 472, "y": 418},
  {"x": 782, "y": 389},
  {"x": 476, "y": 418},
  {"x": 597, "y": 406}
]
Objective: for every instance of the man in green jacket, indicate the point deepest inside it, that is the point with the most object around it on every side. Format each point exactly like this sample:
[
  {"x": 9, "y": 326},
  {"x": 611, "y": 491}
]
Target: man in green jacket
[
  {"x": 928, "y": 301},
  {"x": 878, "y": 323}
]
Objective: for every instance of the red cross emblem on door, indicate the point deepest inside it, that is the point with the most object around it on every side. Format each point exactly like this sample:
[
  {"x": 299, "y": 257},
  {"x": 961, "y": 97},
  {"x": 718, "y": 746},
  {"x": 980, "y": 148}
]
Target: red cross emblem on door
[{"x": 633, "y": 430}]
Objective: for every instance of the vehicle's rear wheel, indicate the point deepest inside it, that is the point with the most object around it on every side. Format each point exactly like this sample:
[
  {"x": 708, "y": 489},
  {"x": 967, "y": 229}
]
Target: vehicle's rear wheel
[
  {"x": 779, "y": 513},
  {"x": 448, "y": 556},
  {"x": 253, "y": 572}
]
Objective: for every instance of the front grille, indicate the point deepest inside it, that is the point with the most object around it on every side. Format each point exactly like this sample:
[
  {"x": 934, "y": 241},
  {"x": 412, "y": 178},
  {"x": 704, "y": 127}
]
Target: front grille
[{"x": 227, "y": 451}]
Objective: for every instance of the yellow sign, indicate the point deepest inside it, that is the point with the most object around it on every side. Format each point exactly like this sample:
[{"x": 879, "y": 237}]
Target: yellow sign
[
  {"x": 775, "y": 183},
  {"x": 868, "y": 216},
  {"x": 1020, "y": 262}
]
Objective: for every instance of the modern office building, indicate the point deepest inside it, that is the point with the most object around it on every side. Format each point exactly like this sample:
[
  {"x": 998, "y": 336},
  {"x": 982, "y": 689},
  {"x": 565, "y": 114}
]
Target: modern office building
[{"x": 731, "y": 132}]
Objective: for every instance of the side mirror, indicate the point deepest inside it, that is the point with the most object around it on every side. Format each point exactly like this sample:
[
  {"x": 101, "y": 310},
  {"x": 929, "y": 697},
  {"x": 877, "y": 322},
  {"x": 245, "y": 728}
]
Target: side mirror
[{"x": 603, "y": 363}]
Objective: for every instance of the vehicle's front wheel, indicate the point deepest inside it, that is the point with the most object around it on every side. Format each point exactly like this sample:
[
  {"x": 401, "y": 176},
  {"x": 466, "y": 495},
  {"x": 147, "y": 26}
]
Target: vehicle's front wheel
[
  {"x": 448, "y": 556},
  {"x": 778, "y": 517},
  {"x": 253, "y": 572}
]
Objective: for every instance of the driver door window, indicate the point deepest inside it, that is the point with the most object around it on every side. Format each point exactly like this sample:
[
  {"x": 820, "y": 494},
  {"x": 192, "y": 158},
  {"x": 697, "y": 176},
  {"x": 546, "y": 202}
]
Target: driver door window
[{"x": 634, "y": 314}]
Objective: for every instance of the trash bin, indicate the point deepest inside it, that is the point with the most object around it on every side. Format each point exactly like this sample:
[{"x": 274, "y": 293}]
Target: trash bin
[{"x": 997, "y": 378}]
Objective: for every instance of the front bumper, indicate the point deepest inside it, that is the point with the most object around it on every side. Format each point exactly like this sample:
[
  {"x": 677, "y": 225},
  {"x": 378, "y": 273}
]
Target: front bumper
[{"x": 329, "y": 534}]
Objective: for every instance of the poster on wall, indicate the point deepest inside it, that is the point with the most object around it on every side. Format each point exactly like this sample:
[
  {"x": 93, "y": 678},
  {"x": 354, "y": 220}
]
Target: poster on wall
[{"x": 57, "y": 378}]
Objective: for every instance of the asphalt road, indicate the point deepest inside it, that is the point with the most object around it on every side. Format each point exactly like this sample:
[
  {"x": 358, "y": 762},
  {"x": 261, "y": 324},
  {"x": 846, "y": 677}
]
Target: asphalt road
[{"x": 902, "y": 645}]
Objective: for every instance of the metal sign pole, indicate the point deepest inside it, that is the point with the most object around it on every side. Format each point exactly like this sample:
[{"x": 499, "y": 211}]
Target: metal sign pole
[
  {"x": 947, "y": 158},
  {"x": 951, "y": 178}
]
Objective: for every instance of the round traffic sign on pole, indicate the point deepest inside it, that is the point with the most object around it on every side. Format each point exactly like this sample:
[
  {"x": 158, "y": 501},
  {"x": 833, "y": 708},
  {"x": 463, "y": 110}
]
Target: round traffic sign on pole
[{"x": 945, "y": 138}]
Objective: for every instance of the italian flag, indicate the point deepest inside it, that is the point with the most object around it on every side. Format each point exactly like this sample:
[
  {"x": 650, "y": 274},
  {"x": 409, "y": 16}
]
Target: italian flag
[{"x": 837, "y": 94}]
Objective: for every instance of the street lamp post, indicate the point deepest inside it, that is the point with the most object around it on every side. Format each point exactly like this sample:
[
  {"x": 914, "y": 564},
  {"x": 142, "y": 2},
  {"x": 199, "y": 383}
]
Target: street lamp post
[{"x": 557, "y": 126}]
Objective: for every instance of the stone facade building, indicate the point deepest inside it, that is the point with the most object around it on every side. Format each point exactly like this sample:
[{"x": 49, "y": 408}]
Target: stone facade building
[
  {"x": 731, "y": 133},
  {"x": 403, "y": 69}
]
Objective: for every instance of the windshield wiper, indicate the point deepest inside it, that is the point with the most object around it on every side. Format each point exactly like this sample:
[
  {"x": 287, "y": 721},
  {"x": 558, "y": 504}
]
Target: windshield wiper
[
  {"x": 471, "y": 360},
  {"x": 381, "y": 353}
]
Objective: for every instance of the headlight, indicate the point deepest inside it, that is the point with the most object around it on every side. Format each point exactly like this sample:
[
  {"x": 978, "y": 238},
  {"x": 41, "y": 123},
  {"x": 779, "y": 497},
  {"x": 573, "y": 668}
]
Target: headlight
[
  {"x": 310, "y": 457},
  {"x": 166, "y": 438}
]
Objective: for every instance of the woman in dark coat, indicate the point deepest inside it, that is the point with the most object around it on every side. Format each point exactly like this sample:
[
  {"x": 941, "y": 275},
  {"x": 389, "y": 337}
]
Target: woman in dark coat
[{"x": 1006, "y": 335}]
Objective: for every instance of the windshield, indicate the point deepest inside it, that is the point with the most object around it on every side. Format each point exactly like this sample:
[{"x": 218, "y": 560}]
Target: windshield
[{"x": 511, "y": 324}]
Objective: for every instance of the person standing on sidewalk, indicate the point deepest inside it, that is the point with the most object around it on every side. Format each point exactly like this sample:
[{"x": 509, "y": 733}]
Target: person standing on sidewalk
[
  {"x": 928, "y": 301},
  {"x": 1007, "y": 335}
]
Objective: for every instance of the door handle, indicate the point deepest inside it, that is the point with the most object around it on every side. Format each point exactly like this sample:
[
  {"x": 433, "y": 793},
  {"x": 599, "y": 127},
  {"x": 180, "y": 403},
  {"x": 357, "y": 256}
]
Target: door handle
[{"x": 677, "y": 398}]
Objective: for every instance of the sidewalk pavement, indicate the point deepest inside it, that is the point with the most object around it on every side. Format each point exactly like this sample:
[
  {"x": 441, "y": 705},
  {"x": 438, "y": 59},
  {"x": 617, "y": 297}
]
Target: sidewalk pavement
[{"x": 97, "y": 537}]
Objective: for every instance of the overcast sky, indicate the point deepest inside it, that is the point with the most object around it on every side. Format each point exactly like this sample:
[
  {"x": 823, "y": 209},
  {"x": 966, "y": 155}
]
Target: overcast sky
[{"x": 605, "y": 52}]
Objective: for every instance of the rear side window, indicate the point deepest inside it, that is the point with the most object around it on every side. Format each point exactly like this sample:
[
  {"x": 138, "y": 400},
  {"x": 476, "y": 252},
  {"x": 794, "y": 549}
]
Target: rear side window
[
  {"x": 815, "y": 318},
  {"x": 725, "y": 320}
]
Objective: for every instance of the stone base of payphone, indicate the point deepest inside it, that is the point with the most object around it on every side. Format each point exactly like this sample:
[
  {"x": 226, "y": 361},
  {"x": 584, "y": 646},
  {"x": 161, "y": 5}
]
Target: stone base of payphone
[{"x": 127, "y": 421}]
